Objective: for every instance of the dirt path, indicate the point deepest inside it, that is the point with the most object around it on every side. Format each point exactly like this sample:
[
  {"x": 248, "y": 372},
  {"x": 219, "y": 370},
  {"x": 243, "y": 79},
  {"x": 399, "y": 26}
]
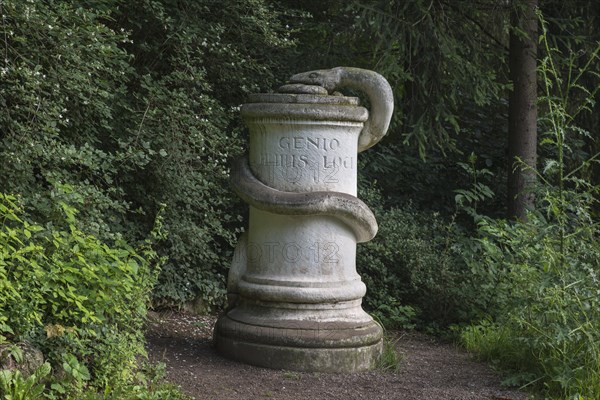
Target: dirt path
[{"x": 430, "y": 370}]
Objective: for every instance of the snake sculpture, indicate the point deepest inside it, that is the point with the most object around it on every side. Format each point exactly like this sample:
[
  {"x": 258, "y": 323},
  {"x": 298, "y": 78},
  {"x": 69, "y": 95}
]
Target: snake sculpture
[
  {"x": 345, "y": 207},
  {"x": 375, "y": 86}
]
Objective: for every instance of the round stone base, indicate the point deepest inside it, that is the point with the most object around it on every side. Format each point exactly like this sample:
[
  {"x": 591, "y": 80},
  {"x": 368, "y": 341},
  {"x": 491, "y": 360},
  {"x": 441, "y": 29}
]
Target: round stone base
[{"x": 327, "y": 349}]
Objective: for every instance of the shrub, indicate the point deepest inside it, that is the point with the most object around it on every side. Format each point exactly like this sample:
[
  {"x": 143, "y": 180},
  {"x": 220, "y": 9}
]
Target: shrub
[
  {"x": 61, "y": 87},
  {"x": 96, "y": 98},
  {"x": 548, "y": 307},
  {"x": 184, "y": 95},
  {"x": 412, "y": 269},
  {"x": 80, "y": 301},
  {"x": 546, "y": 271}
]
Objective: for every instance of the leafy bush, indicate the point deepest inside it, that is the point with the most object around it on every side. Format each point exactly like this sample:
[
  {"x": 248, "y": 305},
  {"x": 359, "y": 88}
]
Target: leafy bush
[
  {"x": 80, "y": 301},
  {"x": 185, "y": 94},
  {"x": 412, "y": 268},
  {"x": 546, "y": 272},
  {"x": 96, "y": 98},
  {"x": 14, "y": 386},
  {"x": 548, "y": 306}
]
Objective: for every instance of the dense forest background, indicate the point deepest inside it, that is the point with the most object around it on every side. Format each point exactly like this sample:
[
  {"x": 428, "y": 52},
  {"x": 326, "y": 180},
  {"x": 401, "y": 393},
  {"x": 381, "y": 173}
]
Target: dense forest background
[{"x": 120, "y": 118}]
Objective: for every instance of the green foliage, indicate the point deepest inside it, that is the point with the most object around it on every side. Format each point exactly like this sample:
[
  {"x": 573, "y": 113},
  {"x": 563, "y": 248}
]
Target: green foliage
[
  {"x": 62, "y": 68},
  {"x": 468, "y": 199},
  {"x": 133, "y": 105},
  {"x": 390, "y": 359},
  {"x": 185, "y": 94},
  {"x": 437, "y": 65},
  {"x": 496, "y": 343},
  {"x": 545, "y": 273},
  {"x": 393, "y": 315},
  {"x": 14, "y": 386},
  {"x": 546, "y": 303},
  {"x": 411, "y": 268},
  {"x": 149, "y": 384},
  {"x": 80, "y": 301}
]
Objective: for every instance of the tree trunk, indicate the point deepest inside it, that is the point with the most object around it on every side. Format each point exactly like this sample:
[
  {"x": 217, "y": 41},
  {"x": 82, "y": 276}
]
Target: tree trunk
[{"x": 522, "y": 108}]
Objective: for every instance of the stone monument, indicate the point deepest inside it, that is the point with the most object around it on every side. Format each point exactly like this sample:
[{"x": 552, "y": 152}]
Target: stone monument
[{"x": 294, "y": 294}]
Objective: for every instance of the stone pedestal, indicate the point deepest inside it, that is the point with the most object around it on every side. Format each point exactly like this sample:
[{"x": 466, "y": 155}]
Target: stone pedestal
[{"x": 295, "y": 296}]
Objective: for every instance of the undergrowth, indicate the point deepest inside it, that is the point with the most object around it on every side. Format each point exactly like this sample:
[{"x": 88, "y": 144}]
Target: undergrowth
[
  {"x": 545, "y": 330},
  {"x": 72, "y": 310}
]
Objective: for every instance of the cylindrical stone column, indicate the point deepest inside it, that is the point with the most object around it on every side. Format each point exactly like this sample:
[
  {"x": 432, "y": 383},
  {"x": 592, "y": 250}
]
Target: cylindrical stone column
[{"x": 296, "y": 295}]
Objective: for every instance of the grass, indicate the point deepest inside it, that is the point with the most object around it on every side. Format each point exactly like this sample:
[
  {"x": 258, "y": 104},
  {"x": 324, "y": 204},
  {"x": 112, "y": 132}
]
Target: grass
[{"x": 390, "y": 359}]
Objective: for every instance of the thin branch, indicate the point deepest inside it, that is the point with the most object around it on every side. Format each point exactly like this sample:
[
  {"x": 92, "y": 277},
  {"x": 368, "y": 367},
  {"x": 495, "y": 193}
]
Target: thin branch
[
  {"x": 478, "y": 25},
  {"x": 583, "y": 164}
]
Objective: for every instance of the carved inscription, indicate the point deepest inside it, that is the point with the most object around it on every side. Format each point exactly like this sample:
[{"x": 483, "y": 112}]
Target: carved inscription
[
  {"x": 292, "y": 252},
  {"x": 303, "y": 258},
  {"x": 315, "y": 158},
  {"x": 308, "y": 143}
]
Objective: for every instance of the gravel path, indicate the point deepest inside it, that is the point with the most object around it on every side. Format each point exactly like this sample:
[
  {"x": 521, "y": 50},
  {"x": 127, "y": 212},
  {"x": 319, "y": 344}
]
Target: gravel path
[{"x": 429, "y": 370}]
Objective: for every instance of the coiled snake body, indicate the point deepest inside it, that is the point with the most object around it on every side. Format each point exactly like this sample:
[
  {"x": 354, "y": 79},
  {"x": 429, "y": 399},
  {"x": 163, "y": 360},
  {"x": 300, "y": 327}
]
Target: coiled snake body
[{"x": 343, "y": 206}]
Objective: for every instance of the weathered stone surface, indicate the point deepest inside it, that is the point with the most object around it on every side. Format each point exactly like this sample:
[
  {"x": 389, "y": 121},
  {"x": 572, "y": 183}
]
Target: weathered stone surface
[
  {"x": 343, "y": 206},
  {"x": 350, "y": 359},
  {"x": 295, "y": 296},
  {"x": 375, "y": 86},
  {"x": 301, "y": 88},
  {"x": 32, "y": 358}
]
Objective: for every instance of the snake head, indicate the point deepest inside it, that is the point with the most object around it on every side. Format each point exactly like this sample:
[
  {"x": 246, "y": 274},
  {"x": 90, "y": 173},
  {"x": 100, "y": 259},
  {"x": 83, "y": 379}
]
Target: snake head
[
  {"x": 327, "y": 78},
  {"x": 373, "y": 85}
]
